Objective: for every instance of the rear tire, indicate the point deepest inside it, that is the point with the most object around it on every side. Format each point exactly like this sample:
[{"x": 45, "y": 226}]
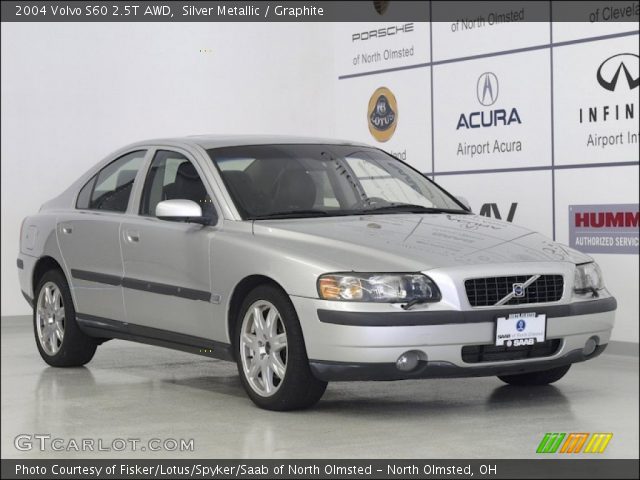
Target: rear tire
[
  {"x": 60, "y": 341},
  {"x": 271, "y": 354},
  {"x": 544, "y": 377}
]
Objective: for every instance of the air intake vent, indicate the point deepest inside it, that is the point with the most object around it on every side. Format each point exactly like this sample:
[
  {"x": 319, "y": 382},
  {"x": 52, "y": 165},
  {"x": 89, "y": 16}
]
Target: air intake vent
[{"x": 521, "y": 290}]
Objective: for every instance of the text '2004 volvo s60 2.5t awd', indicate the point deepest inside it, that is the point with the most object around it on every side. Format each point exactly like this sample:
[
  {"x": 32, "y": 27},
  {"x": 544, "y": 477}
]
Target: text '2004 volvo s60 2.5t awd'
[{"x": 305, "y": 261}]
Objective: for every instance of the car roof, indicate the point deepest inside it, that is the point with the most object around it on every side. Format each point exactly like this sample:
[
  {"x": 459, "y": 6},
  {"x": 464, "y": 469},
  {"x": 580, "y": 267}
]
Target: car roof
[{"x": 216, "y": 141}]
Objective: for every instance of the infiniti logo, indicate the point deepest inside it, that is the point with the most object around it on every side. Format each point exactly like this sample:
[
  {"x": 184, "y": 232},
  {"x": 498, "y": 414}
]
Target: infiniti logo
[
  {"x": 608, "y": 74},
  {"x": 487, "y": 89}
]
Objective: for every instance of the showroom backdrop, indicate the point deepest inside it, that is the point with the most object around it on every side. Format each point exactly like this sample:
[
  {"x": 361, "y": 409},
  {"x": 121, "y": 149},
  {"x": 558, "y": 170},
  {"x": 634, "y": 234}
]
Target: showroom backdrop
[{"x": 534, "y": 123}]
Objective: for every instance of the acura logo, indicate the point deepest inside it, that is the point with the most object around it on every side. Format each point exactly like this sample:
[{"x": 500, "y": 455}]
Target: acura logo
[
  {"x": 609, "y": 71},
  {"x": 487, "y": 89},
  {"x": 518, "y": 290}
]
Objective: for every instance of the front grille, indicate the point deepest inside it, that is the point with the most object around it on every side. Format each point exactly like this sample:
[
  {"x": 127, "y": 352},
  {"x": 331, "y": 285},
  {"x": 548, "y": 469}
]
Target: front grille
[
  {"x": 491, "y": 353},
  {"x": 485, "y": 292}
]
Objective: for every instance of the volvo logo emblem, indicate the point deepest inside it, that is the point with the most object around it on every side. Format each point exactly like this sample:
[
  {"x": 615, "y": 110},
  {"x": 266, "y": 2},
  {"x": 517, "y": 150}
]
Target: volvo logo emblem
[
  {"x": 487, "y": 89},
  {"x": 608, "y": 74},
  {"x": 518, "y": 290}
]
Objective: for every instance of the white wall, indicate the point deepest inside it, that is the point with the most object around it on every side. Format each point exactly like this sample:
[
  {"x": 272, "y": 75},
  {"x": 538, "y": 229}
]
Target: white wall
[{"x": 71, "y": 93}]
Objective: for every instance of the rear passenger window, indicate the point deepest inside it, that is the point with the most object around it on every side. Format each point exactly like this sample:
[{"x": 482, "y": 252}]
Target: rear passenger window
[{"x": 111, "y": 188}]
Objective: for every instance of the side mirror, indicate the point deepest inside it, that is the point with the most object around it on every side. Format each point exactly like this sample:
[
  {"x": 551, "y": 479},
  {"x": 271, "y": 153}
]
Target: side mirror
[
  {"x": 180, "y": 211},
  {"x": 464, "y": 202}
]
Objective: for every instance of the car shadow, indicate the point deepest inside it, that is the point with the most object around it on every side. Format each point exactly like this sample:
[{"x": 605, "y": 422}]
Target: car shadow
[
  {"x": 361, "y": 399},
  {"x": 516, "y": 397},
  {"x": 437, "y": 403},
  {"x": 378, "y": 400},
  {"x": 225, "y": 385}
]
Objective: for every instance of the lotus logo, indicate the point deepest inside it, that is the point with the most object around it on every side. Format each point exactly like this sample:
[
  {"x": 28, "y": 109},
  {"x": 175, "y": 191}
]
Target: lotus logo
[
  {"x": 518, "y": 290},
  {"x": 609, "y": 71},
  {"x": 382, "y": 114},
  {"x": 487, "y": 89}
]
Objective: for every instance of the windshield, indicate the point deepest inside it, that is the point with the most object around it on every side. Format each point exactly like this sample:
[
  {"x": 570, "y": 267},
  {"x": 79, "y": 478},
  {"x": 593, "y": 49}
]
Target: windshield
[{"x": 289, "y": 181}]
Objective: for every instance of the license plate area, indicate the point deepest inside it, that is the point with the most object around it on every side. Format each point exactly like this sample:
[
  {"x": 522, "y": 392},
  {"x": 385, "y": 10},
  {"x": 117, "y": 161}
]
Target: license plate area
[{"x": 520, "y": 330}]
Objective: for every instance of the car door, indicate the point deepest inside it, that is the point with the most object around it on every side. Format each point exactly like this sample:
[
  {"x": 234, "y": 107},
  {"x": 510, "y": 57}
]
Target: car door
[
  {"x": 89, "y": 238},
  {"x": 166, "y": 264}
]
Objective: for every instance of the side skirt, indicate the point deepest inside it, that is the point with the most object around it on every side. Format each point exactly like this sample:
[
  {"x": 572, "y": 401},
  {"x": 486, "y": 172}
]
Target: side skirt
[{"x": 101, "y": 327}]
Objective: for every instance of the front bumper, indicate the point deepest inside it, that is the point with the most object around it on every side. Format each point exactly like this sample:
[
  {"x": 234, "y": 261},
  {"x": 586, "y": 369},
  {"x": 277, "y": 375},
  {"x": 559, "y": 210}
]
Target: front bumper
[
  {"x": 338, "y": 371},
  {"x": 363, "y": 341}
]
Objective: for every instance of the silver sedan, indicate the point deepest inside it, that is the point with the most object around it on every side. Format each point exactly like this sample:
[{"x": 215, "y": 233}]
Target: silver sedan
[{"x": 305, "y": 261}]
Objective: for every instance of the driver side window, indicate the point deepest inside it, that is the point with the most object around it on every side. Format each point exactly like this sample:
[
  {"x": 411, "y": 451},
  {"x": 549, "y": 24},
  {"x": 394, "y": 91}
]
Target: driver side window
[{"x": 172, "y": 176}]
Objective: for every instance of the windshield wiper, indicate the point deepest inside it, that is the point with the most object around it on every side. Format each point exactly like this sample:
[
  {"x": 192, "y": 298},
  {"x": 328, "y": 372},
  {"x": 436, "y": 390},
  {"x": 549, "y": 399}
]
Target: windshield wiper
[
  {"x": 411, "y": 208},
  {"x": 291, "y": 214}
]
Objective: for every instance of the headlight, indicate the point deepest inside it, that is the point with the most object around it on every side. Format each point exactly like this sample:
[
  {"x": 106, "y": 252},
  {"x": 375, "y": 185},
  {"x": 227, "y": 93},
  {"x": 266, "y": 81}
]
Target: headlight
[
  {"x": 378, "y": 287},
  {"x": 588, "y": 278}
]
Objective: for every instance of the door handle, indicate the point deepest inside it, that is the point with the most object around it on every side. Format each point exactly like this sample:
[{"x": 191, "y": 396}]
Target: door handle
[
  {"x": 67, "y": 230},
  {"x": 132, "y": 237}
]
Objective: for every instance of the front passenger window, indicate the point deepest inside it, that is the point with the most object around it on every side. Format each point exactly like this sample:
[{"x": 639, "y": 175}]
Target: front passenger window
[{"x": 172, "y": 176}]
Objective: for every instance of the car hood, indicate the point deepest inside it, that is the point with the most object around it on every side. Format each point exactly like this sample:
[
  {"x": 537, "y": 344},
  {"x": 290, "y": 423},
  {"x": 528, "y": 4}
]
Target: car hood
[{"x": 415, "y": 241}]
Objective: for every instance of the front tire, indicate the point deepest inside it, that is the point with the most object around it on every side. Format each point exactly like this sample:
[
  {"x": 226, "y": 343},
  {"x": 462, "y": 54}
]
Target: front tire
[
  {"x": 544, "y": 377},
  {"x": 271, "y": 354},
  {"x": 60, "y": 341}
]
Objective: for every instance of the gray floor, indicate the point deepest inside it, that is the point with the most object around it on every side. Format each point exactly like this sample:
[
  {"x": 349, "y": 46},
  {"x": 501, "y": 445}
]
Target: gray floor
[{"x": 137, "y": 391}]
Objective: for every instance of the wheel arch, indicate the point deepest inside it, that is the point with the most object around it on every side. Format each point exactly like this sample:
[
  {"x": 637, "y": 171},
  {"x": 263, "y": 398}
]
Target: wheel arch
[
  {"x": 42, "y": 266},
  {"x": 240, "y": 291}
]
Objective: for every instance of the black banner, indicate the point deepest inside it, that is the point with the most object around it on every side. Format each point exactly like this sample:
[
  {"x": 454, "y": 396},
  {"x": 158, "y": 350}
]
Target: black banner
[
  {"x": 312, "y": 469},
  {"x": 491, "y": 12}
]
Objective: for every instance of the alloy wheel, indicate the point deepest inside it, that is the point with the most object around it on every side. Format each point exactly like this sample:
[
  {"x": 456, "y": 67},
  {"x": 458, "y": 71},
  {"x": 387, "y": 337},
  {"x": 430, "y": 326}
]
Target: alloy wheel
[
  {"x": 50, "y": 318},
  {"x": 263, "y": 348}
]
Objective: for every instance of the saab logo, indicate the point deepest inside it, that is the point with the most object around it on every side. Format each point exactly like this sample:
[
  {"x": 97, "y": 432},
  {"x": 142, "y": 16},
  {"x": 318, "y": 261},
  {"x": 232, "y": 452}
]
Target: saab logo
[
  {"x": 487, "y": 94},
  {"x": 604, "y": 228},
  {"x": 521, "y": 342},
  {"x": 487, "y": 89},
  {"x": 609, "y": 71},
  {"x": 574, "y": 442},
  {"x": 492, "y": 210},
  {"x": 382, "y": 114},
  {"x": 381, "y": 6}
]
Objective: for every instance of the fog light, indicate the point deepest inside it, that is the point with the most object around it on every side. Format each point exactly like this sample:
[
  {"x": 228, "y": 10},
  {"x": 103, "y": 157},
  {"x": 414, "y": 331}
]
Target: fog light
[
  {"x": 590, "y": 346},
  {"x": 408, "y": 360}
]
